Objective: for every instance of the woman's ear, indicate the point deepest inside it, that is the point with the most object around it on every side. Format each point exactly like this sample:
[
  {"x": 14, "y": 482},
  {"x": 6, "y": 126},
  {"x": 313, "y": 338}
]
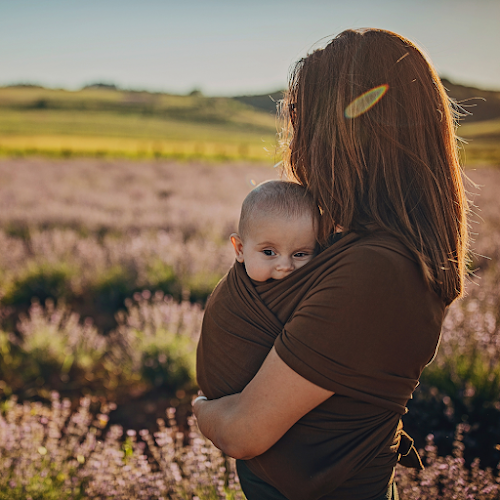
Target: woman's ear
[{"x": 238, "y": 246}]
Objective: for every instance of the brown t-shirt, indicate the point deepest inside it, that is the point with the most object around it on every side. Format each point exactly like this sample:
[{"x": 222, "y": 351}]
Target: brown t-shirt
[{"x": 359, "y": 321}]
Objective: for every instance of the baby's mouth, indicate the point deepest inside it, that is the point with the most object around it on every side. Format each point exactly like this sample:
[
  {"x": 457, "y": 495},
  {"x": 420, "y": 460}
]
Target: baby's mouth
[{"x": 283, "y": 274}]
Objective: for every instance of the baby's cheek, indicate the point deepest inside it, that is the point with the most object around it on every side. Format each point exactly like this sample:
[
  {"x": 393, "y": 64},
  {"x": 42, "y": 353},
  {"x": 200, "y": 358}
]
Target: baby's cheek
[
  {"x": 257, "y": 272},
  {"x": 303, "y": 263}
]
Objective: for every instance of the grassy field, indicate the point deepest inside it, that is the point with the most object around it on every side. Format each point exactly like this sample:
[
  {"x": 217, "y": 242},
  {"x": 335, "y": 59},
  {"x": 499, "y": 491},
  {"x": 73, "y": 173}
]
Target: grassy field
[
  {"x": 101, "y": 122},
  {"x": 97, "y": 122},
  {"x": 482, "y": 142}
]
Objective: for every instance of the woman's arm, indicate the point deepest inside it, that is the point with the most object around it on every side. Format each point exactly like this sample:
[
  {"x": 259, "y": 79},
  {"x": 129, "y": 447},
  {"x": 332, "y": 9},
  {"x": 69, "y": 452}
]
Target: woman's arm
[{"x": 247, "y": 424}]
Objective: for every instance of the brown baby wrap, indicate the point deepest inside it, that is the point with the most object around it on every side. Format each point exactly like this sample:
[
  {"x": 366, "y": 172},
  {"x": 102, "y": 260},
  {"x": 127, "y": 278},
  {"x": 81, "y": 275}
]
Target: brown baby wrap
[
  {"x": 239, "y": 329},
  {"x": 357, "y": 320}
]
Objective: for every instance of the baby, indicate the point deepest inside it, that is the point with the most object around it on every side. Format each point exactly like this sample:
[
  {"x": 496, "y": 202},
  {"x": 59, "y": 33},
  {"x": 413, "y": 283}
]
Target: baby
[
  {"x": 277, "y": 230},
  {"x": 276, "y": 236}
]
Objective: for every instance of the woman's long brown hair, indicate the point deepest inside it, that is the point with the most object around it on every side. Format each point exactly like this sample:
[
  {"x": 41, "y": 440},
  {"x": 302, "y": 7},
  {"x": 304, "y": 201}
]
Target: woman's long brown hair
[{"x": 393, "y": 165}]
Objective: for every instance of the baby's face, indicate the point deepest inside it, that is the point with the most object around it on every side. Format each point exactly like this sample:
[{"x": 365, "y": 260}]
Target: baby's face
[{"x": 276, "y": 246}]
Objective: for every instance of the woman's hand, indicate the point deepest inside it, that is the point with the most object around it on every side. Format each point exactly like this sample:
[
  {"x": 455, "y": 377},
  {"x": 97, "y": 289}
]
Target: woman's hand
[{"x": 247, "y": 424}]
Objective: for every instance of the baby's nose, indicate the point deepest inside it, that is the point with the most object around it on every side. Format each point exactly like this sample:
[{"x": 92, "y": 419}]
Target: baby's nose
[{"x": 285, "y": 264}]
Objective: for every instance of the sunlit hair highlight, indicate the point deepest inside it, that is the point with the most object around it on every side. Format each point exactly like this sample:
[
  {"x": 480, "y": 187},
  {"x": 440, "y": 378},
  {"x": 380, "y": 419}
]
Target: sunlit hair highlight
[
  {"x": 276, "y": 199},
  {"x": 393, "y": 166}
]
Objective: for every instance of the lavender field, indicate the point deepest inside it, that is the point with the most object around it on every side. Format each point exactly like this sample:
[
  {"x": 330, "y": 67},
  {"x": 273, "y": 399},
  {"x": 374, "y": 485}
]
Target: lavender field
[{"x": 105, "y": 266}]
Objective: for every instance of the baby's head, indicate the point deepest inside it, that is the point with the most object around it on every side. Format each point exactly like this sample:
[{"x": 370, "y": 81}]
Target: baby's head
[{"x": 277, "y": 230}]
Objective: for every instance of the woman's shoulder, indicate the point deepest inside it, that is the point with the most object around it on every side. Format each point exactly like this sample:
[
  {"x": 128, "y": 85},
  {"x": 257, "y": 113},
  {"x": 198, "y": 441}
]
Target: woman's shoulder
[
  {"x": 372, "y": 267},
  {"x": 375, "y": 249},
  {"x": 384, "y": 242},
  {"x": 377, "y": 240}
]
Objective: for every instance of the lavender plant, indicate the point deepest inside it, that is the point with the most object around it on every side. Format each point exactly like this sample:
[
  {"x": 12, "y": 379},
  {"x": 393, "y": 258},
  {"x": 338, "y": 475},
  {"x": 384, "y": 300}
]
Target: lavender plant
[
  {"x": 96, "y": 231},
  {"x": 51, "y": 453},
  {"x": 104, "y": 272},
  {"x": 447, "y": 477},
  {"x": 462, "y": 385},
  {"x": 157, "y": 339},
  {"x": 153, "y": 346}
]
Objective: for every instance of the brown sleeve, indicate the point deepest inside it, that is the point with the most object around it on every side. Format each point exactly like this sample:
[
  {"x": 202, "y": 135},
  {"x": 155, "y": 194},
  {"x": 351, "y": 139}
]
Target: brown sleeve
[{"x": 366, "y": 330}]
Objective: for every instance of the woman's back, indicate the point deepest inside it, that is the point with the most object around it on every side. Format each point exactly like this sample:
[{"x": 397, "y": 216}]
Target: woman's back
[{"x": 365, "y": 331}]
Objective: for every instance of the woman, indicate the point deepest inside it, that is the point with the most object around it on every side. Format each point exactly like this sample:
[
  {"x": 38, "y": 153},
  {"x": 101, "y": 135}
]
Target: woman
[{"x": 373, "y": 141}]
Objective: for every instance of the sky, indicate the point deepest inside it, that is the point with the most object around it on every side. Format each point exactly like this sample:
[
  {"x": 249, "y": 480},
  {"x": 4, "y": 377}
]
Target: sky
[{"x": 227, "y": 47}]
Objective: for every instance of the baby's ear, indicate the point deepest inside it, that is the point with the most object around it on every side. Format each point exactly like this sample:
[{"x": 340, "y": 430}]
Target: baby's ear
[{"x": 238, "y": 246}]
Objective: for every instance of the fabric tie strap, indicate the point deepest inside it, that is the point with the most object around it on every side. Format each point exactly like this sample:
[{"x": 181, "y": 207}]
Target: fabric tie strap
[{"x": 407, "y": 453}]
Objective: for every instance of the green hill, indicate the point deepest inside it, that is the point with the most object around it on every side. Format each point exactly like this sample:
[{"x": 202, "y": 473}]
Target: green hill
[
  {"x": 102, "y": 121},
  {"x": 264, "y": 102},
  {"x": 482, "y": 104}
]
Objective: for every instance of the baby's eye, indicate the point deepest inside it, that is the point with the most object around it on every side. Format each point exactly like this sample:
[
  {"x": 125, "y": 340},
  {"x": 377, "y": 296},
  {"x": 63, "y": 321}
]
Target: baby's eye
[
  {"x": 269, "y": 253},
  {"x": 301, "y": 255}
]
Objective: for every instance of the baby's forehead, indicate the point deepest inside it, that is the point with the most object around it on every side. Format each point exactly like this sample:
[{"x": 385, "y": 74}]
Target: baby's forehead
[{"x": 264, "y": 222}]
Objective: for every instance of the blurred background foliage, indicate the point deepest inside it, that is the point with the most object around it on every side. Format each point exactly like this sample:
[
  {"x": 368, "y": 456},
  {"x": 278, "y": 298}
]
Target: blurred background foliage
[{"x": 105, "y": 268}]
